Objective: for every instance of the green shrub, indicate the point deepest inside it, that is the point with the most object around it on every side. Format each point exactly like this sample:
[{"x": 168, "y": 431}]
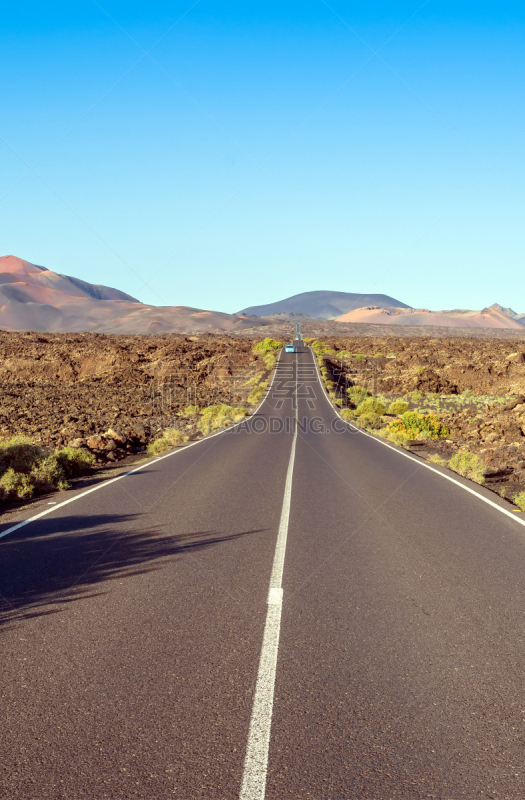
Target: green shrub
[
  {"x": 270, "y": 360},
  {"x": 19, "y": 453},
  {"x": 257, "y": 393},
  {"x": 379, "y": 355},
  {"x": 469, "y": 465},
  {"x": 25, "y": 469},
  {"x": 519, "y": 499},
  {"x": 372, "y": 405},
  {"x": 190, "y": 411},
  {"x": 268, "y": 345},
  {"x": 369, "y": 420},
  {"x": 217, "y": 417},
  {"x": 170, "y": 438},
  {"x": 49, "y": 474},
  {"x": 358, "y": 355},
  {"x": 347, "y": 414},
  {"x": 412, "y": 424},
  {"x": 391, "y": 355},
  {"x": 420, "y": 370},
  {"x": 358, "y": 393},
  {"x": 318, "y": 347},
  {"x": 15, "y": 485},
  {"x": 437, "y": 459},
  {"x": 398, "y": 407},
  {"x": 74, "y": 461}
]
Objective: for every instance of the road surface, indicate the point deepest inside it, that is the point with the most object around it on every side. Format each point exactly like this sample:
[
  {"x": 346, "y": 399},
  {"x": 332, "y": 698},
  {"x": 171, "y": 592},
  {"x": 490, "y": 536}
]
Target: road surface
[{"x": 141, "y": 658}]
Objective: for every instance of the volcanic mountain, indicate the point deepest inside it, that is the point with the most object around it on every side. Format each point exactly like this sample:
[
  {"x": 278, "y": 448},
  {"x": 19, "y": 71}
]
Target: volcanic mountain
[
  {"x": 492, "y": 317},
  {"x": 323, "y": 305},
  {"x": 36, "y": 298}
]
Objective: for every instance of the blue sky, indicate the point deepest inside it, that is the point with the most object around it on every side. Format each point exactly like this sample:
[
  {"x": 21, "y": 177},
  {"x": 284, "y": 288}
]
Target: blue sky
[{"x": 220, "y": 154}]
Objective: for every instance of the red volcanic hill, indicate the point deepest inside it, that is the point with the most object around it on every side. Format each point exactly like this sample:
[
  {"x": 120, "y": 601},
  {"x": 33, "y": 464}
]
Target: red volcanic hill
[
  {"x": 38, "y": 299},
  {"x": 492, "y": 317}
]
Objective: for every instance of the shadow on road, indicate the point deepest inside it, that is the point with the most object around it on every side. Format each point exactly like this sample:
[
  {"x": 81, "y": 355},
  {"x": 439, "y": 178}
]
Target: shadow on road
[{"x": 58, "y": 561}]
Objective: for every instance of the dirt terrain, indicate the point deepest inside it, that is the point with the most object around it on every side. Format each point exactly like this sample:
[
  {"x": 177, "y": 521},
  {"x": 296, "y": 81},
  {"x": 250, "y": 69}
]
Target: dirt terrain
[
  {"x": 476, "y": 386},
  {"x": 74, "y": 388}
]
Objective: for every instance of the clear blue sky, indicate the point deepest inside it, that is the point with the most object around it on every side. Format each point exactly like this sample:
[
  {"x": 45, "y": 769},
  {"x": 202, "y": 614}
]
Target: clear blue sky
[{"x": 235, "y": 153}]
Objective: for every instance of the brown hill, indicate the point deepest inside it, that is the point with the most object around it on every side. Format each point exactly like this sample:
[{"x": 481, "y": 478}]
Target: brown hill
[{"x": 35, "y": 298}]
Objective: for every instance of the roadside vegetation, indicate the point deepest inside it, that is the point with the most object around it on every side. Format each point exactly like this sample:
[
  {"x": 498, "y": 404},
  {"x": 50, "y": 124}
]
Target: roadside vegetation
[
  {"x": 268, "y": 349},
  {"x": 170, "y": 438},
  {"x": 26, "y": 469},
  {"x": 217, "y": 417},
  {"x": 469, "y": 465}
]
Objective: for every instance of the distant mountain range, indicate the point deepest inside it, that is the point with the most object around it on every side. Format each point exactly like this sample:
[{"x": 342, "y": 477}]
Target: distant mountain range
[
  {"x": 492, "y": 317},
  {"x": 38, "y": 299},
  {"x": 323, "y": 305},
  {"x": 35, "y": 298}
]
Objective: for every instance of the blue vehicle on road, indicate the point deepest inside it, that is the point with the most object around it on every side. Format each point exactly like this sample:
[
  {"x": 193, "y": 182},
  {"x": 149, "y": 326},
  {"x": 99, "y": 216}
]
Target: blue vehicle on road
[{"x": 289, "y": 348}]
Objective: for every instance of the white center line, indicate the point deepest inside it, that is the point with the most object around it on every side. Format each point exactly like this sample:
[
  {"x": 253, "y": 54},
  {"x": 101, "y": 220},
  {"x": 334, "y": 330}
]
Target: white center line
[{"x": 256, "y": 762}]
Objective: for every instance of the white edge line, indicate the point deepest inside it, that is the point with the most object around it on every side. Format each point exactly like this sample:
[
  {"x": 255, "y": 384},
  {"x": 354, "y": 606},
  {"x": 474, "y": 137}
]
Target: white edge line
[
  {"x": 253, "y": 786},
  {"x": 103, "y": 484},
  {"x": 377, "y": 439}
]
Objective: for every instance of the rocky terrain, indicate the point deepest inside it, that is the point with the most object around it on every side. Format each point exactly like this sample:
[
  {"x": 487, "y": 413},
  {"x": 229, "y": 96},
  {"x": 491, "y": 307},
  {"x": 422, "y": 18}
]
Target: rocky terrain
[
  {"x": 114, "y": 394},
  {"x": 476, "y": 386}
]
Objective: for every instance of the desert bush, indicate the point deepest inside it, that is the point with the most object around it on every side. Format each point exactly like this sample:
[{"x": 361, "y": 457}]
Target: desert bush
[
  {"x": 391, "y": 355},
  {"x": 49, "y": 474},
  {"x": 372, "y": 405},
  {"x": 268, "y": 345},
  {"x": 53, "y": 471},
  {"x": 369, "y": 420},
  {"x": 398, "y": 407},
  {"x": 318, "y": 347},
  {"x": 19, "y": 453},
  {"x": 74, "y": 461},
  {"x": 220, "y": 416},
  {"x": 437, "y": 459},
  {"x": 357, "y": 394},
  {"x": 519, "y": 499},
  {"x": 270, "y": 360},
  {"x": 412, "y": 424},
  {"x": 379, "y": 355},
  {"x": 258, "y": 392},
  {"x": 347, "y": 414},
  {"x": 469, "y": 465},
  {"x": 15, "y": 485},
  {"x": 358, "y": 355},
  {"x": 170, "y": 438},
  {"x": 189, "y": 411}
]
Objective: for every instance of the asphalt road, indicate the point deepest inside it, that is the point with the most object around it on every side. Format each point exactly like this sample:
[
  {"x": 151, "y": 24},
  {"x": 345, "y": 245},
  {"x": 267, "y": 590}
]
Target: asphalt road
[{"x": 132, "y": 623}]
